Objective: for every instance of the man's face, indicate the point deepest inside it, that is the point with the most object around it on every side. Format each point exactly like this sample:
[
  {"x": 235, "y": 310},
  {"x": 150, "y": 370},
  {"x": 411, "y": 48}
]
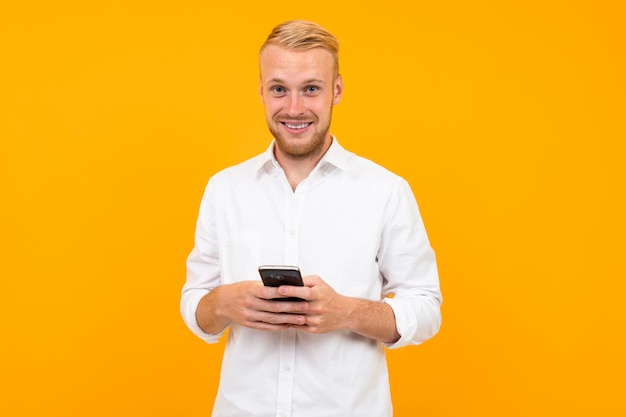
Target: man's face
[{"x": 299, "y": 89}]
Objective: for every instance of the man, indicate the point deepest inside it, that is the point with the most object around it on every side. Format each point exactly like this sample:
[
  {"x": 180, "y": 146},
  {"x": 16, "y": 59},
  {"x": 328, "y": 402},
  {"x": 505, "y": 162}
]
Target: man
[{"x": 351, "y": 226}]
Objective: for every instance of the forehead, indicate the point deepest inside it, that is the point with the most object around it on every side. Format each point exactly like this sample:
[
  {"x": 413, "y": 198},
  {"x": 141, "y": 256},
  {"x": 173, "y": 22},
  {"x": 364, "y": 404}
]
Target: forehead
[{"x": 277, "y": 62}]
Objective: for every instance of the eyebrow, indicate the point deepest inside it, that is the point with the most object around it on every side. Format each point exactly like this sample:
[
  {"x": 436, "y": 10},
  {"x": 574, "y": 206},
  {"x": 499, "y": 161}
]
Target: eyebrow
[{"x": 309, "y": 81}]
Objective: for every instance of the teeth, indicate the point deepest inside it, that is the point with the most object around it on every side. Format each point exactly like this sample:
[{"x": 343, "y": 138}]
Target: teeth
[{"x": 300, "y": 126}]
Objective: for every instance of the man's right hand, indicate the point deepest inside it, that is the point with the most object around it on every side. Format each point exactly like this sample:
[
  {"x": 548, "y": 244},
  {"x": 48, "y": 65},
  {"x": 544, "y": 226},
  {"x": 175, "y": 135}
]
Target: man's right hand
[{"x": 249, "y": 304}]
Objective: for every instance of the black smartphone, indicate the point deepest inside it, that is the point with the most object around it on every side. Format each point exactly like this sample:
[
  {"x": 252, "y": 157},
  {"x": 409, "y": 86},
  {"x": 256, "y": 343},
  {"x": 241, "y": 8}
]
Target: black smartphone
[{"x": 277, "y": 275}]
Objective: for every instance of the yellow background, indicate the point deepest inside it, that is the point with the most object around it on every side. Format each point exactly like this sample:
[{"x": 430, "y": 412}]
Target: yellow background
[{"x": 507, "y": 118}]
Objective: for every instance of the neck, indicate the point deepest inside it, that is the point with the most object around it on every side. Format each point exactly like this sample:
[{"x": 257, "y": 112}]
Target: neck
[{"x": 298, "y": 167}]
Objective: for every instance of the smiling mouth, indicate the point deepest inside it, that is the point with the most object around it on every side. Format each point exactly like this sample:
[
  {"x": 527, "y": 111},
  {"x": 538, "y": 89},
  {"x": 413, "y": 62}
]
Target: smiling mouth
[{"x": 298, "y": 126}]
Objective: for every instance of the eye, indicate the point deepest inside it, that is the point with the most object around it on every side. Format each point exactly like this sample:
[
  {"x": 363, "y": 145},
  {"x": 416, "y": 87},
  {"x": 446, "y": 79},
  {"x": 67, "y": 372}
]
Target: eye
[
  {"x": 278, "y": 90},
  {"x": 312, "y": 89}
]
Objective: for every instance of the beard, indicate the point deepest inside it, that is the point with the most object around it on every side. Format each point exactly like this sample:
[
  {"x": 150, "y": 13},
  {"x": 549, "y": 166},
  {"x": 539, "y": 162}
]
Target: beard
[{"x": 300, "y": 147}]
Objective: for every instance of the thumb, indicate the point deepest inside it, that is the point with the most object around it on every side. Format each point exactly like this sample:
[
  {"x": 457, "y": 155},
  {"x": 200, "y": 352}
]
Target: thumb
[{"x": 312, "y": 280}]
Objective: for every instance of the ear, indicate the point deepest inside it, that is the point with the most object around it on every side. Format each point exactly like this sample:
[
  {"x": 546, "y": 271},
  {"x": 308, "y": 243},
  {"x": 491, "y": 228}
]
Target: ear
[{"x": 338, "y": 89}]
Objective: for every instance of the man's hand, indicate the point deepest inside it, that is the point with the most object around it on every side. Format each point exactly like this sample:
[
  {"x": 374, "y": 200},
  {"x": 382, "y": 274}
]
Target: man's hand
[
  {"x": 326, "y": 311},
  {"x": 249, "y": 304}
]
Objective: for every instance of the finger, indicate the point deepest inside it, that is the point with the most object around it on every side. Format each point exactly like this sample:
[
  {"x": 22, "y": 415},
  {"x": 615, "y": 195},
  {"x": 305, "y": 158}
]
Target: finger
[
  {"x": 291, "y": 306},
  {"x": 283, "y": 319},
  {"x": 268, "y": 293},
  {"x": 292, "y": 291}
]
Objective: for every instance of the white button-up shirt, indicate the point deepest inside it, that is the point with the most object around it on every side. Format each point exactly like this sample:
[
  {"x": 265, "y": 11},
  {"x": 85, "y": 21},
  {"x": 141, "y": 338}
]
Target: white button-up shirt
[{"x": 351, "y": 222}]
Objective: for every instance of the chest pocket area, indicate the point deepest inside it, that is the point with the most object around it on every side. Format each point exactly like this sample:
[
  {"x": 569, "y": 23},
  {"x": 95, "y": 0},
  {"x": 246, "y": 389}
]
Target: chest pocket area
[{"x": 240, "y": 256}]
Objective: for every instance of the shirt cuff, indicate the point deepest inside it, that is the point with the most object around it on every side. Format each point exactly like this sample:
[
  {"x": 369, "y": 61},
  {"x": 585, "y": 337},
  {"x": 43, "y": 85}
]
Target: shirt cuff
[
  {"x": 189, "y": 306},
  {"x": 406, "y": 325}
]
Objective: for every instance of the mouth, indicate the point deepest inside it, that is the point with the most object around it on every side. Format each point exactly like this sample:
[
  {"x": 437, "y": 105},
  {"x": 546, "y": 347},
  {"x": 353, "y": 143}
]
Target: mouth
[{"x": 296, "y": 127}]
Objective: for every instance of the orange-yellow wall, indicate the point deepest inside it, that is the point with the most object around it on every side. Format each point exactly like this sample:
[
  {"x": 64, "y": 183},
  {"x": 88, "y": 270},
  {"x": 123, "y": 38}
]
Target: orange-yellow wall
[{"x": 508, "y": 119}]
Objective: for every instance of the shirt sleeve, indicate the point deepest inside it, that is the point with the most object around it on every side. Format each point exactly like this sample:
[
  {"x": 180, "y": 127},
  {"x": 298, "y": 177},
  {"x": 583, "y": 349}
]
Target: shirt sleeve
[
  {"x": 407, "y": 262},
  {"x": 203, "y": 268}
]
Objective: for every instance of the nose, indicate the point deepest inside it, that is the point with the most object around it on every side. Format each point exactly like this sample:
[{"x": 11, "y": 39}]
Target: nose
[{"x": 295, "y": 104}]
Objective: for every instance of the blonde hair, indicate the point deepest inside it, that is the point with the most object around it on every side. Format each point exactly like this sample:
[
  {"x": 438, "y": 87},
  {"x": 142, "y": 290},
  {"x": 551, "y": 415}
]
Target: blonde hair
[{"x": 303, "y": 35}]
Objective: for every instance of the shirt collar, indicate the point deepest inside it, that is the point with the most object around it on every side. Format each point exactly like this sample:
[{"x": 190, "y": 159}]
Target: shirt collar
[{"x": 335, "y": 155}]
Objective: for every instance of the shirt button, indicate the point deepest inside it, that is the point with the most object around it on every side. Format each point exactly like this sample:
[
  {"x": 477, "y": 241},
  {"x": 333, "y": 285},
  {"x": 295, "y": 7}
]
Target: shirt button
[{"x": 286, "y": 368}]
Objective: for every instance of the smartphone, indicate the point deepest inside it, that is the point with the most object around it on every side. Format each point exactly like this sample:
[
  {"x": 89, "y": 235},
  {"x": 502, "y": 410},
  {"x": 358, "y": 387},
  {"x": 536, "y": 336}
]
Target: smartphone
[{"x": 277, "y": 275}]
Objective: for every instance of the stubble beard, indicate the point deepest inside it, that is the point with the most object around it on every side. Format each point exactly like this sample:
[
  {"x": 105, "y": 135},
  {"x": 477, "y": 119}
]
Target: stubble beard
[{"x": 304, "y": 148}]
